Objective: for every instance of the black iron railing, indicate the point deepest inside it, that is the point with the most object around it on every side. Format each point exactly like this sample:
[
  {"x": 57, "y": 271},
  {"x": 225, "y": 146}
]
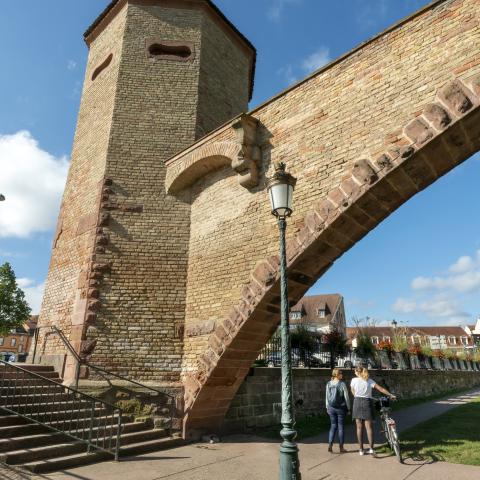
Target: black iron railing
[
  {"x": 137, "y": 398},
  {"x": 61, "y": 409},
  {"x": 319, "y": 355}
]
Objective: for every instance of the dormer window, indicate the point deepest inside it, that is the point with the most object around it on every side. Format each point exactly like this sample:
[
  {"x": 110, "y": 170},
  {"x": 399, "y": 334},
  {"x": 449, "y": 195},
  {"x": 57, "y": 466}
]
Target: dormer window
[
  {"x": 452, "y": 340},
  {"x": 295, "y": 315},
  {"x": 464, "y": 341},
  {"x": 375, "y": 340},
  {"x": 321, "y": 313}
]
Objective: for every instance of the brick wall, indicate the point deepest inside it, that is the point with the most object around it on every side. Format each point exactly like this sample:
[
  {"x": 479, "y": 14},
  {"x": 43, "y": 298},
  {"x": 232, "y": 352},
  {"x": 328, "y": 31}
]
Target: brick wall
[
  {"x": 128, "y": 270},
  {"x": 65, "y": 298},
  {"x": 363, "y": 135},
  {"x": 257, "y": 403}
]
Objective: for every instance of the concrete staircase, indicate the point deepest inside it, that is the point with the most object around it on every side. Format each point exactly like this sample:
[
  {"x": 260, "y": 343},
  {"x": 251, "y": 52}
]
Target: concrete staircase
[{"x": 40, "y": 449}]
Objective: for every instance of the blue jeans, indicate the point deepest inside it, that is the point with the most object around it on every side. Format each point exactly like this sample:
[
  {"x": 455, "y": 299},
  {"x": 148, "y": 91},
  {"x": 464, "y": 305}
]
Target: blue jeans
[{"x": 337, "y": 421}]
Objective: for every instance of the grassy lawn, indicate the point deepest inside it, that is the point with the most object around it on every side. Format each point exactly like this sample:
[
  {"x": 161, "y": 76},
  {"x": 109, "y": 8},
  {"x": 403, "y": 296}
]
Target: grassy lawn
[
  {"x": 452, "y": 437},
  {"x": 313, "y": 425}
]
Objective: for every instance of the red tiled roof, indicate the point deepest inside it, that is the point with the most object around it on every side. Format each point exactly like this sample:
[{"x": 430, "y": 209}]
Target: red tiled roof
[{"x": 310, "y": 304}]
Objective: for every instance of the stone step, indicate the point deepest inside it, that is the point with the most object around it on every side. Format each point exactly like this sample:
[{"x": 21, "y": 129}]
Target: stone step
[
  {"x": 9, "y": 420},
  {"x": 29, "y": 441},
  {"x": 79, "y": 426},
  {"x": 18, "y": 457},
  {"x": 18, "y": 374},
  {"x": 48, "y": 407},
  {"x": 22, "y": 381},
  {"x": 44, "y": 417},
  {"x": 151, "y": 445},
  {"x": 84, "y": 458},
  {"x": 33, "y": 399},
  {"x": 65, "y": 462},
  {"x": 29, "y": 389},
  {"x": 32, "y": 367},
  {"x": 142, "y": 436}
]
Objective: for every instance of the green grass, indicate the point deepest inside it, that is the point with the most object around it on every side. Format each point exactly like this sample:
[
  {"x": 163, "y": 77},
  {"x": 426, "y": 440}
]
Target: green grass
[
  {"x": 314, "y": 425},
  {"x": 452, "y": 437}
]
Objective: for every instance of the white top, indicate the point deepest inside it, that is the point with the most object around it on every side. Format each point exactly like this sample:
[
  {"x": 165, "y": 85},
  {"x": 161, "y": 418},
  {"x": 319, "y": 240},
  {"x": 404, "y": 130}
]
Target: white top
[{"x": 362, "y": 388}]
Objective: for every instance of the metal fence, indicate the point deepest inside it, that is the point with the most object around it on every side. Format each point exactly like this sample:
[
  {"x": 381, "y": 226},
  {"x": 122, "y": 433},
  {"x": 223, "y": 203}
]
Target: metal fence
[{"x": 322, "y": 356}]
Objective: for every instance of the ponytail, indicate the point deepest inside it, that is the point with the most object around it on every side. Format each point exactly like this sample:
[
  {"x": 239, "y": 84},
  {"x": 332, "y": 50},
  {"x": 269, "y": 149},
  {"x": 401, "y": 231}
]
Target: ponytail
[{"x": 362, "y": 372}]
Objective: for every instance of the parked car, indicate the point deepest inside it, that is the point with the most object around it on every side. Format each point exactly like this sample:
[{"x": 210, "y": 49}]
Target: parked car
[
  {"x": 354, "y": 360},
  {"x": 274, "y": 359}
]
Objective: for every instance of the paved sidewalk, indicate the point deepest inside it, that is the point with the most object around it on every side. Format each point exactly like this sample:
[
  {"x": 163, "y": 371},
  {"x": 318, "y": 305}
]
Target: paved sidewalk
[{"x": 243, "y": 457}]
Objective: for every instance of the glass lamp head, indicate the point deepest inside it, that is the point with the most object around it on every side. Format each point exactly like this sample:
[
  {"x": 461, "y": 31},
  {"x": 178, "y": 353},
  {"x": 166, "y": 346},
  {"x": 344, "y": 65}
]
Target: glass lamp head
[{"x": 280, "y": 190}]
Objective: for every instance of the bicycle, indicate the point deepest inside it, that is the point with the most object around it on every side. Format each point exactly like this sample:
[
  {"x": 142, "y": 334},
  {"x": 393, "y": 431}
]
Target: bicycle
[{"x": 389, "y": 426}]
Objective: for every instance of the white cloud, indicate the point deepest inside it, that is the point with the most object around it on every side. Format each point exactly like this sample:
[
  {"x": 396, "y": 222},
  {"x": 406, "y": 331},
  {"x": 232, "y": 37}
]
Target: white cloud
[
  {"x": 32, "y": 181},
  {"x": 403, "y": 305},
  {"x": 439, "y": 306},
  {"x": 463, "y": 276},
  {"x": 33, "y": 293},
  {"x": 287, "y": 73},
  {"x": 442, "y": 307},
  {"x": 440, "y": 297},
  {"x": 292, "y": 72},
  {"x": 463, "y": 264},
  {"x": 275, "y": 11},
  {"x": 72, "y": 65},
  {"x": 316, "y": 60}
]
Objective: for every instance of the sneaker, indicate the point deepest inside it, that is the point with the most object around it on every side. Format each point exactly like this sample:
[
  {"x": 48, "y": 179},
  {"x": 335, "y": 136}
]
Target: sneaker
[
  {"x": 361, "y": 452},
  {"x": 371, "y": 451}
]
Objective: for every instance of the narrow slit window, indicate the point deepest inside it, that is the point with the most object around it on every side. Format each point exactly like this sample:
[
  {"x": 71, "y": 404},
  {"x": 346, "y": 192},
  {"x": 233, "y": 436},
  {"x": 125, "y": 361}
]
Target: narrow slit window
[
  {"x": 169, "y": 50},
  {"x": 102, "y": 67}
]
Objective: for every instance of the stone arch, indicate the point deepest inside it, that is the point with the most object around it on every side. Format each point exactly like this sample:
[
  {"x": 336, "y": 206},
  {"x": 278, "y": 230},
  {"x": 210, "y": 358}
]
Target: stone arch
[
  {"x": 445, "y": 133},
  {"x": 198, "y": 163}
]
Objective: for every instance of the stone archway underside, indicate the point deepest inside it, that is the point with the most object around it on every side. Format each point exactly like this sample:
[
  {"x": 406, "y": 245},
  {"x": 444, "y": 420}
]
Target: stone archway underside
[{"x": 426, "y": 124}]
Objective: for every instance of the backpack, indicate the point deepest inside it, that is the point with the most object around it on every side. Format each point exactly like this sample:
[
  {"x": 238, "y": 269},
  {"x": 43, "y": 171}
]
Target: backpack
[{"x": 335, "y": 395}]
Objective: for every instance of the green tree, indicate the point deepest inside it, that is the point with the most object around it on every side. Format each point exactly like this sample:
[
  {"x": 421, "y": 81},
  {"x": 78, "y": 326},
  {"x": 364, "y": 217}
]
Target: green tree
[{"x": 14, "y": 309}]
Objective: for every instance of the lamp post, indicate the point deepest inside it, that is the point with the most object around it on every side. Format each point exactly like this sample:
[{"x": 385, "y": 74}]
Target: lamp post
[{"x": 280, "y": 189}]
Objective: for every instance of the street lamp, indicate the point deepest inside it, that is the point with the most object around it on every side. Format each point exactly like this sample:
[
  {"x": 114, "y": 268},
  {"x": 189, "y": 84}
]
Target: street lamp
[{"x": 280, "y": 189}]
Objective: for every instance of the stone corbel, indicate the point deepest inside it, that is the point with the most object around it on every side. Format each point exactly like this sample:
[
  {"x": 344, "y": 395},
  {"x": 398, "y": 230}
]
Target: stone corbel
[{"x": 247, "y": 161}]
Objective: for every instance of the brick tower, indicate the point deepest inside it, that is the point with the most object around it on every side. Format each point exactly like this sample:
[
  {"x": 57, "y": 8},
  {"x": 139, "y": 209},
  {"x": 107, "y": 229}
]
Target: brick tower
[{"x": 160, "y": 74}]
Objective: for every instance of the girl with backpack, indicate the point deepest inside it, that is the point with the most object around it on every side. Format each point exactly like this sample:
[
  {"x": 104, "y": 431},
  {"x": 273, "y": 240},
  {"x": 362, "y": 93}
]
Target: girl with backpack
[
  {"x": 338, "y": 404},
  {"x": 362, "y": 387}
]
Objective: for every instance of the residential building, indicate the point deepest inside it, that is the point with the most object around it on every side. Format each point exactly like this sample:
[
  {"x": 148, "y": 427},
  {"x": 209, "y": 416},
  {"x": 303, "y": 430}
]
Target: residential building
[
  {"x": 17, "y": 343},
  {"x": 435, "y": 337},
  {"x": 474, "y": 331},
  {"x": 320, "y": 313}
]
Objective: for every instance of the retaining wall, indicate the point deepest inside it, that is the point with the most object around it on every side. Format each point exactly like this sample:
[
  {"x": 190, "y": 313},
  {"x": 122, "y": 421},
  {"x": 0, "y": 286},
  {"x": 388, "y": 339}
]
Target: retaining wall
[{"x": 257, "y": 403}]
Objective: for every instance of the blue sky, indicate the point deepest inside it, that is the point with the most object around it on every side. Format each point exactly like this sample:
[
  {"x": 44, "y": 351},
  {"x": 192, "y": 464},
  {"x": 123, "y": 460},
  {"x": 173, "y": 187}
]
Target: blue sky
[{"x": 421, "y": 265}]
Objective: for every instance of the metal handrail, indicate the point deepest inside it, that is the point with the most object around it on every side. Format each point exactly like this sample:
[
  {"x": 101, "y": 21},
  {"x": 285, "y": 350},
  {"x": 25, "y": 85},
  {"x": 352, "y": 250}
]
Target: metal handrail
[
  {"x": 73, "y": 425},
  {"x": 103, "y": 372}
]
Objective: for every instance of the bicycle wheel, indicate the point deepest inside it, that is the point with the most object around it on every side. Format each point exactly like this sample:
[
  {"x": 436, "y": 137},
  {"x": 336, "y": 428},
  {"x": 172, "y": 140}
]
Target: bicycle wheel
[
  {"x": 386, "y": 432},
  {"x": 394, "y": 442}
]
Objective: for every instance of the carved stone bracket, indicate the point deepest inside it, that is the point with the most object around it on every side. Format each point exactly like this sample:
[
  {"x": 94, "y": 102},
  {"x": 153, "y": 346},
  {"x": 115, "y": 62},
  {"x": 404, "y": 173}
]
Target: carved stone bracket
[
  {"x": 239, "y": 150},
  {"x": 248, "y": 158}
]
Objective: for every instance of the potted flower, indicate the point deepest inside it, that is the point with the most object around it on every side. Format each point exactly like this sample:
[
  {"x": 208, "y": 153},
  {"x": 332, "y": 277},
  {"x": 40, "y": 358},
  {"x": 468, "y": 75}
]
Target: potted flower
[
  {"x": 427, "y": 356},
  {"x": 385, "y": 350},
  {"x": 414, "y": 352}
]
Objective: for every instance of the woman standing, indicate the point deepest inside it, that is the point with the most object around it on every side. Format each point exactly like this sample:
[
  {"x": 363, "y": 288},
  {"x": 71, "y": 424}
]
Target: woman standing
[
  {"x": 361, "y": 387},
  {"x": 338, "y": 404}
]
